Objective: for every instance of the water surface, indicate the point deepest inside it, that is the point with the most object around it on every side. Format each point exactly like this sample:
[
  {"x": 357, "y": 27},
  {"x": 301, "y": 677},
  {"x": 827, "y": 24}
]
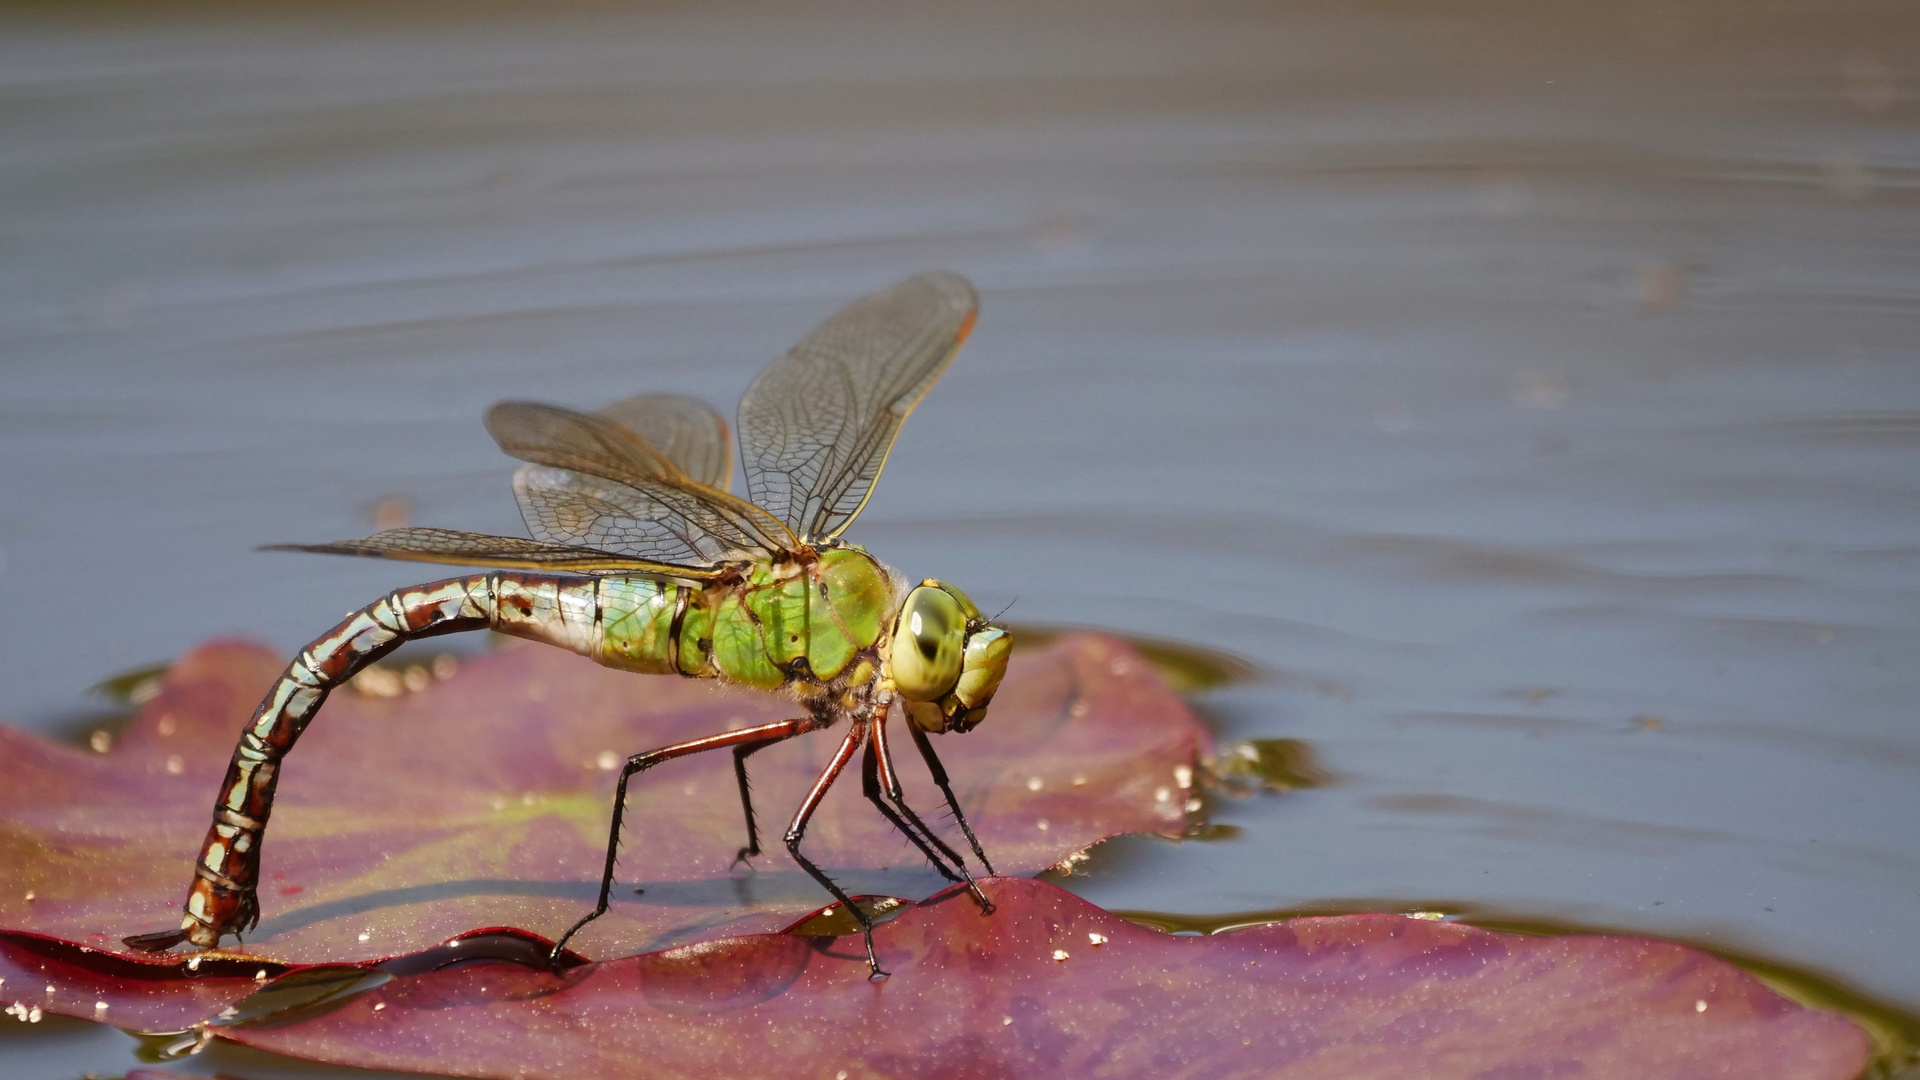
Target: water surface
[{"x": 1531, "y": 398}]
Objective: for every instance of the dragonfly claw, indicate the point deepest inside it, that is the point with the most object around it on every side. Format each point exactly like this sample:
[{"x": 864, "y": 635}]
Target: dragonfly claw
[{"x": 875, "y": 973}]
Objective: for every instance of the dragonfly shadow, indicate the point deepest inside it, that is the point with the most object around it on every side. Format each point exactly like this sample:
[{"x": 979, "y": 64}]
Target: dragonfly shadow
[{"x": 741, "y": 893}]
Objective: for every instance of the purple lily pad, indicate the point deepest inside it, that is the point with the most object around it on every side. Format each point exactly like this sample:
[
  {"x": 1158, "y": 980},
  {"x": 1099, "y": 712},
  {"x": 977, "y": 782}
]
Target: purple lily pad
[{"x": 1048, "y": 986}]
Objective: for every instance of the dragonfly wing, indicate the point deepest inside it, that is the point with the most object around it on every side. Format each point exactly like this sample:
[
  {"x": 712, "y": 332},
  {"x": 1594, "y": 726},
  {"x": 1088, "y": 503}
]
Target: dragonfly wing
[
  {"x": 578, "y": 509},
  {"x": 816, "y": 426},
  {"x": 597, "y": 446},
  {"x": 477, "y": 549},
  {"x": 684, "y": 429}
]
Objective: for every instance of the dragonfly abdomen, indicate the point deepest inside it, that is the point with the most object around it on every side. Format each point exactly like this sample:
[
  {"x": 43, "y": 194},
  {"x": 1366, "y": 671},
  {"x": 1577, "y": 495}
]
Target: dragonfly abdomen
[
  {"x": 634, "y": 624},
  {"x": 222, "y": 897}
]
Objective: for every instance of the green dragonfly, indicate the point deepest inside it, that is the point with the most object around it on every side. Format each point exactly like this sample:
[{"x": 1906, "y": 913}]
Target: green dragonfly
[{"x": 641, "y": 559}]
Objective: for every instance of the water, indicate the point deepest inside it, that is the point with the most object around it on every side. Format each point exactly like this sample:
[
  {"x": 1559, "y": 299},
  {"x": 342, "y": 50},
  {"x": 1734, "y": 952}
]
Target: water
[{"x": 1529, "y": 396}]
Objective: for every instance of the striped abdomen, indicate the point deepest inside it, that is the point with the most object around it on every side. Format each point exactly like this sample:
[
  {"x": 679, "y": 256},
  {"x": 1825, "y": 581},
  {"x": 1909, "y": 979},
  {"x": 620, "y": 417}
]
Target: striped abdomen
[{"x": 617, "y": 621}]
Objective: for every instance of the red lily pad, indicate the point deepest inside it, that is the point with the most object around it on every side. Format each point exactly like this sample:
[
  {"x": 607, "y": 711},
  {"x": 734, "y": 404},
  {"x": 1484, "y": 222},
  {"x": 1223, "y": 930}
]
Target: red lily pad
[
  {"x": 482, "y": 800},
  {"x": 1048, "y": 985},
  {"x": 38, "y": 973}
]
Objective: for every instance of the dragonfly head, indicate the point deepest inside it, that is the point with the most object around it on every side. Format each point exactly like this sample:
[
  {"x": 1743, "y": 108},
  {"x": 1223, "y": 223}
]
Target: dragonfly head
[{"x": 946, "y": 659}]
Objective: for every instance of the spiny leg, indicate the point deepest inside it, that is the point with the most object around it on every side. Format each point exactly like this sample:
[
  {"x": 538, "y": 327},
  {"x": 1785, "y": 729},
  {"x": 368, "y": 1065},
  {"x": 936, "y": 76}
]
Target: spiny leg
[
  {"x": 940, "y": 780},
  {"x": 764, "y": 733},
  {"x": 878, "y": 750},
  {"x": 798, "y": 828},
  {"x": 870, "y": 785},
  {"x": 740, "y": 755}
]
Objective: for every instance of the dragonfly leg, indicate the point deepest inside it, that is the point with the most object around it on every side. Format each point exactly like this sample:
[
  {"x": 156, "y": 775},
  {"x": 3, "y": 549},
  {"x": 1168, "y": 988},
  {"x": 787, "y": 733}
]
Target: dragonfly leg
[
  {"x": 870, "y": 785},
  {"x": 762, "y": 734},
  {"x": 889, "y": 780},
  {"x": 940, "y": 779},
  {"x": 222, "y": 898},
  {"x": 740, "y": 755},
  {"x": 798, "y": 829}
]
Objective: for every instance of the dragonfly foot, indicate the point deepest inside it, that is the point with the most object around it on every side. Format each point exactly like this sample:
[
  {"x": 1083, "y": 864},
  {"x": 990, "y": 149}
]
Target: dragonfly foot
[
  {"x": 875, "y": 972},
  {"x": 554, "y": 958},
  {"x": 743, "y": 856}
]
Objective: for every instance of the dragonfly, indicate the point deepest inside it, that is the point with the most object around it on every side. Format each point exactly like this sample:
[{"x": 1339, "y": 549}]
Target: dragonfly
[{"x": 642, "y": 559}]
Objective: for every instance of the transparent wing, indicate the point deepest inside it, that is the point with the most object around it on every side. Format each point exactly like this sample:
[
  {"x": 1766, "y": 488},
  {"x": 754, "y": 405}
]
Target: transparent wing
[
  {"x": 477, "y": 549},
  {"x": 645, "y": 486},
  {"x": 578, "y": 509},
  {"x": 684, "y": 429},
  {"x": 816, "y": 426}
]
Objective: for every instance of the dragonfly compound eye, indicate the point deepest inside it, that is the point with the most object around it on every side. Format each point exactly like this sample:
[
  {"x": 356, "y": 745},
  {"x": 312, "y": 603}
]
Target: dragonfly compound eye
[{"x": 928, "y": 642}]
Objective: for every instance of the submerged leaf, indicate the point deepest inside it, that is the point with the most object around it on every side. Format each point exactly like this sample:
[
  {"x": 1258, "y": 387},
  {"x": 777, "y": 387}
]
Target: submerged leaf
[
  {"x": 1048, "y": 985},
  {"x": 482, "y": 799}
]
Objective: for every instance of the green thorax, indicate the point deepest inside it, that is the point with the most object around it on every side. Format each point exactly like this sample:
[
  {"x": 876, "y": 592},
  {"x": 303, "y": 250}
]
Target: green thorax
[{"x": 755, "y": 631}]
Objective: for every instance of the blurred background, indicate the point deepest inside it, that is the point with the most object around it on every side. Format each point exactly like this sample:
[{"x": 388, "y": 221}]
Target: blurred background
[{"x": 1528, "y": 393}]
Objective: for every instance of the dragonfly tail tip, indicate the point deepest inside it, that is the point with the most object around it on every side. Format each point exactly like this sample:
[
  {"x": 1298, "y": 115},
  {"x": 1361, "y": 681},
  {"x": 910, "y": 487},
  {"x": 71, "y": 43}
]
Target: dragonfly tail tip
[{"x": 155, "y": 943}]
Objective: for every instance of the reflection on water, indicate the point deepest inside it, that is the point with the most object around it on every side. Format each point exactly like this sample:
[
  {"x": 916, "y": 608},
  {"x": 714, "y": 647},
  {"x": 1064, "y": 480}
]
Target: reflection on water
[{"x": 1526, "y": 392}]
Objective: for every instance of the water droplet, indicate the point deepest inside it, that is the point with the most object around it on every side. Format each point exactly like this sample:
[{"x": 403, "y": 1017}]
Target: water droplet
[
  {"x": 176, "y": 764},
  {"x": 607, "y": 760},
  {"x": 1700, "y": 1006},
  {"x": 1059, "y": 954},
  {"x": 1096, "y": 937},
  {"x": 1034, "y": 783},
  {"x": 1042, "y": 825}
]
